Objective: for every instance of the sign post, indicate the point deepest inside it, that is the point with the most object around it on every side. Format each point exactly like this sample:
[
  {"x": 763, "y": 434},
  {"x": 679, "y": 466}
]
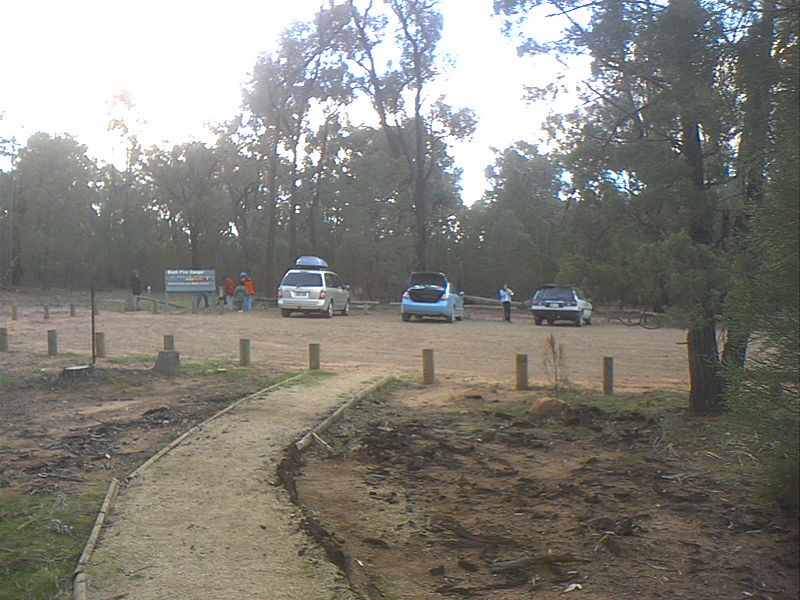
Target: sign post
[{"x": 188, "y": 280}]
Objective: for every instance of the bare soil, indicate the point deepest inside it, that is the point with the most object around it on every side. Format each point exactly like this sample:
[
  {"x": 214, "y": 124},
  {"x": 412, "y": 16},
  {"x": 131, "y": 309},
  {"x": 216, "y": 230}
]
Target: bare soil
[
  {"x": 451, "y": 491},
  {"x": 595, "y": 504}
]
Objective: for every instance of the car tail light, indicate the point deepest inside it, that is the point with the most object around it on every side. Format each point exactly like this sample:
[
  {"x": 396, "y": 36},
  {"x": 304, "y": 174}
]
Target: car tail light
[
  {"x": 280, "y": 293},
  {"x": 445, "y": 297},
  {"x": 322, "y": 295},
  {"x": 406, "y": 296}
]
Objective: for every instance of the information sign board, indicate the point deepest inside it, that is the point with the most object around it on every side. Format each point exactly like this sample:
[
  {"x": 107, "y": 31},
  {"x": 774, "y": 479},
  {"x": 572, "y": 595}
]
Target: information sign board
[{"x": 190, "y": 280}]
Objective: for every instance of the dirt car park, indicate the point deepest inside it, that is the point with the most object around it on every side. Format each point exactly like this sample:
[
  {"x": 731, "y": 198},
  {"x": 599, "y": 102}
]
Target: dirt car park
[{"x": 442, "y": 491}]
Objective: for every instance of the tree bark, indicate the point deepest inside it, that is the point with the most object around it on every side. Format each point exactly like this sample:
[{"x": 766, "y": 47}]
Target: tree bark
[{"x": 705, "y": 381}]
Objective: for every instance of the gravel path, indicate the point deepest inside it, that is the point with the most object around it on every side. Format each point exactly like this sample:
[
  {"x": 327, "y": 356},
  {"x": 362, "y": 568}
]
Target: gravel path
[{"x": 204, "y": 522}]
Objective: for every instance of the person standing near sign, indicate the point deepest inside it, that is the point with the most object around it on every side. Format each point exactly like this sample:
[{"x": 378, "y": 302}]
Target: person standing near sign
[
  {"x": 228, "y": 287},
  {"x": 250, "y": 290},
  {"x": 201, "y": 296},
  {"x": 136, "y": 288}
]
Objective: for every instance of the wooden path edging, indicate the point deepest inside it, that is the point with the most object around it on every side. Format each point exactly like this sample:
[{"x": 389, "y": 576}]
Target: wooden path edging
[
  {"x": 79, "y": 575},
  {"x": 334, "y": 550}
]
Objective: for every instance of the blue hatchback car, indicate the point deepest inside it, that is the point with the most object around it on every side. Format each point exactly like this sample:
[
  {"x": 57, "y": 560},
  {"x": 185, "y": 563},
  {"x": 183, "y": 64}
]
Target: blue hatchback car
[{"x": 430, "y": 294}]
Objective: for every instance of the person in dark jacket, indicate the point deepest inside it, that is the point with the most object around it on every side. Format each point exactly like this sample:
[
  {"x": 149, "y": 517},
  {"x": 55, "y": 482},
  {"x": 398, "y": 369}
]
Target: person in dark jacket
[{"x": 136, "y": 288}]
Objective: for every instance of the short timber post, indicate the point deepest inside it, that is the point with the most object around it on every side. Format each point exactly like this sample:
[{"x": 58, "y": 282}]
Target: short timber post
[
  {"x": 71, "y": 310},
  {"x": 52, "y": 342},
  {"x": 100, "y": 344},
  {"x": 46, "y": 311},
  {"x": 168, "y": 362},
  {"x": 313, "y": 357},
  {"x": 428, "y": 372},
  {"x": 14, "y": 312},
  {"x": 522, "y": 371},
  {"x": 608, "y": 375},
  {"x": 169, "y": 342},
  {"x": 244, "y": 352},
  {"x": 3, "y": 339}
]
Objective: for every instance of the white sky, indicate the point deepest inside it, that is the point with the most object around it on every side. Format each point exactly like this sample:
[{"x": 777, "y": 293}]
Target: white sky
[{"x": 185, "y": 61}]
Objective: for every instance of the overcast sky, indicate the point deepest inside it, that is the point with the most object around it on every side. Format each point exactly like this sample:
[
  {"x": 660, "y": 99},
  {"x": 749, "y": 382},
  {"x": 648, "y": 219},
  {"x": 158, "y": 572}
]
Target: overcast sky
[{"x": 184, "y": 63}]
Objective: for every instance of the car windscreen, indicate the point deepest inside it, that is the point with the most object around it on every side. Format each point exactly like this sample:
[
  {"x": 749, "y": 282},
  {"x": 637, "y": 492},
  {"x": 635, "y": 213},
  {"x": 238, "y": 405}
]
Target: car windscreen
[
  {"x": 427, "y": 279},
  {"x": 554, "y": 294},
  {"x": 303, "y": 278}
]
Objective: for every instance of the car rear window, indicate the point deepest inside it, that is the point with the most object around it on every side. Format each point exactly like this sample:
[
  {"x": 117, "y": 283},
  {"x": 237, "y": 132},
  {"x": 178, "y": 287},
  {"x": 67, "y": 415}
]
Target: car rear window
[
  {"x": 554, "y": 294},
  {"x": 303, "y": 278},
  {"x": 426, "y": 279}
]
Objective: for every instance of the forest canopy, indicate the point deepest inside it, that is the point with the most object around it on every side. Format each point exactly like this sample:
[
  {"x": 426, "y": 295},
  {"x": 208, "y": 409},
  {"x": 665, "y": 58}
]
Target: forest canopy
[{"x": 672, "y": 187}]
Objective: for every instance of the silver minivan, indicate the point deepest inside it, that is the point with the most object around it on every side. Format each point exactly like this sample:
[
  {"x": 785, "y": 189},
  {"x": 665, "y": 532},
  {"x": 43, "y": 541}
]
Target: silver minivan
[{"x": 311, "y": 287}]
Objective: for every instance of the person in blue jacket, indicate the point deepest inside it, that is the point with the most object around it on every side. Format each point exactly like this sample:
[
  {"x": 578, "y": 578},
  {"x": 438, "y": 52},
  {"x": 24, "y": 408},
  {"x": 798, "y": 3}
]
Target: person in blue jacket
[{"x": 506, "y": 293}]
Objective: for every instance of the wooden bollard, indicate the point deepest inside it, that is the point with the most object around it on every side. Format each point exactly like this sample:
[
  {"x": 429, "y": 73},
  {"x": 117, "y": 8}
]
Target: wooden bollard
[
  {"x": 100, "y": 344},
  {"x": 313, "y": 357},
  {"x": 428, "y": 372},
  {"x": 244, "y": 352},
  {"x": 14, "y": 312},
  {"x": 169, "y": 342},
  {"x": 71, "y": 310},
  {"x": 522, "y": 371},
  {"x": 155, "y": 307},
  {"x": 46, "y": 311},
  {"x": 52, "y": 342},
  {"x": 608, "y": 375},
  {"x": 3, "y": 339}
]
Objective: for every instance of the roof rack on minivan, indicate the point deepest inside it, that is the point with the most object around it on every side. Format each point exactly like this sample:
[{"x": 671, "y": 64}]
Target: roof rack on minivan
[{"x": 311, "y": 262}]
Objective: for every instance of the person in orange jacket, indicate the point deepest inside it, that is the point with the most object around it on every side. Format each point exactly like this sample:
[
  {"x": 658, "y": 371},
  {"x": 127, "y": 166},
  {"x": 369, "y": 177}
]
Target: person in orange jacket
[{"x": 250, "y": 288}]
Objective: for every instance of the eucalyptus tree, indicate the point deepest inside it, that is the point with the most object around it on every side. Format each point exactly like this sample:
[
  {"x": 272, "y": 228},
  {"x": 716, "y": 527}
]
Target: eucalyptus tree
[
  {"x": 241, "y": 176},
  {"x": 48, "y": 205},
  {"x": 657, "y": 137},
  {"x": 514, "y": 232},
  {"x": 415, "y": 127},
  {"x": 127, "y": 228},
  {"x": 306, "y": 70},
  {"x": 189, "y": 197}
]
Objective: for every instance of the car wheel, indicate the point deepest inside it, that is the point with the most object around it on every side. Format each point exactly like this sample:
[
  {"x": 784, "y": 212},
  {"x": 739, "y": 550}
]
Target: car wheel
[
  {"x": 346, "y": 309},
  {"x": 589, "y": 321},
  {"x": 329, "y": 311},
  {"x": 579, "y": 320},
  {"x": 451, "y": 317},
  {"x": 537, "y": 320},
  {"x": 406, "y": 317},
  {"x": 285, "y": 312}
]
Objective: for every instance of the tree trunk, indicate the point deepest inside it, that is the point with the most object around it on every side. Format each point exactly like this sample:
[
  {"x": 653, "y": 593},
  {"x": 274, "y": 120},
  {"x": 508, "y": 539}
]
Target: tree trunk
[
  {"x": 705, "y": 394},
  {"x": 705, "y": 382},
  {"x": 420, "y": 201},
  {"x": 272, "y": 217},
  {"x": 194, "y": 242}
]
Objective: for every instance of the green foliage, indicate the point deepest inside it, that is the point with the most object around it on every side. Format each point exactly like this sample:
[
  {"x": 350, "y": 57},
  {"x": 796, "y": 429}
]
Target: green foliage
[
  {"x": 42, "y": 540},
  {"x": 763, "y": 393}
]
